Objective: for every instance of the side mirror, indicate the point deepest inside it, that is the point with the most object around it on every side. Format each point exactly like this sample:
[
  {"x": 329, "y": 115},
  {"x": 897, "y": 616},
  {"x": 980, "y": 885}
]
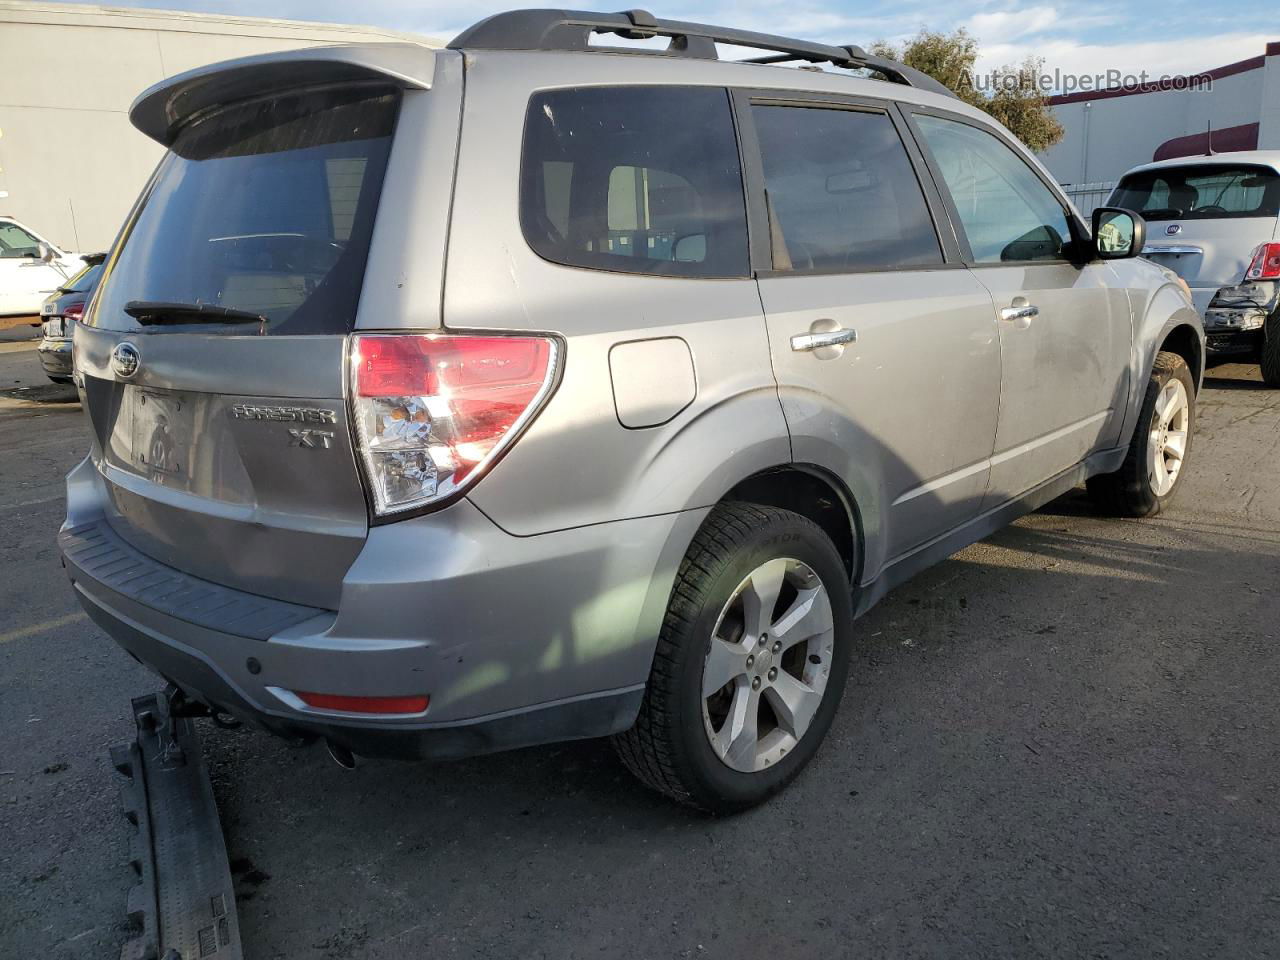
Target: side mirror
[
  {"x": 46, "y": 252},
  {"x": 1118, "y": 233}
]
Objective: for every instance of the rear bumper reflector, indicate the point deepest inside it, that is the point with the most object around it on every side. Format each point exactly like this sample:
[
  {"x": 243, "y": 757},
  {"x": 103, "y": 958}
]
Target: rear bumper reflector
[{"x": 345, "y": 704}]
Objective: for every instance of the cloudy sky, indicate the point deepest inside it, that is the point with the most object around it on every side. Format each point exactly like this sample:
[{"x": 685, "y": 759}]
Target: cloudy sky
[{"x": 1087, "y": 37}]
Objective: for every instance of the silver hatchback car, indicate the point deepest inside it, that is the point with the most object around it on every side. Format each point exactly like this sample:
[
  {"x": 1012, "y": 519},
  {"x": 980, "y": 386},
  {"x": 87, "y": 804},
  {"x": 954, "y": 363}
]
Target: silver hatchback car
[
  {"x": 447, "y": 401},
  {"x": 1216, "y": 223}
]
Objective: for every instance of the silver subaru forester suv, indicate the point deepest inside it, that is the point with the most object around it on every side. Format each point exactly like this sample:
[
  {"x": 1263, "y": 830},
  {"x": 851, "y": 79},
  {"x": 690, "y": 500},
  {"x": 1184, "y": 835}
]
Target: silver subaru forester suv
[{"x": 448, "y": 401}]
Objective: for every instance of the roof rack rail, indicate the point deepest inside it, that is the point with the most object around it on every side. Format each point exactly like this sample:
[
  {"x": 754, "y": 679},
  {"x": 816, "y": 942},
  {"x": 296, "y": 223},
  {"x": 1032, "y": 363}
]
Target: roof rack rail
[{"x": 572, "y": 30}]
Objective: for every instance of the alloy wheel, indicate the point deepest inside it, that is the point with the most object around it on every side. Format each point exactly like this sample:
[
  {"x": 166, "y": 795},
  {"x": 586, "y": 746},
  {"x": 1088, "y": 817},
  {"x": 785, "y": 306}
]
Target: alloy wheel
[
  {"x": 768, "y": 664},
  {"x": 1170, "y": 429}
]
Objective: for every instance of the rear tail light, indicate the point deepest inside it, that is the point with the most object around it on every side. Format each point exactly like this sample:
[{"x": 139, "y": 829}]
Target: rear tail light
[
  {"x": 1265, "y": 264},
  {"x": 73, "y": 312},
  {"x": 432, "y": 412}
]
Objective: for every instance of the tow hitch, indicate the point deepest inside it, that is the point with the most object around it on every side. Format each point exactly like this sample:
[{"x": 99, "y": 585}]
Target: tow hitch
[{"x": 184, "y": 903}]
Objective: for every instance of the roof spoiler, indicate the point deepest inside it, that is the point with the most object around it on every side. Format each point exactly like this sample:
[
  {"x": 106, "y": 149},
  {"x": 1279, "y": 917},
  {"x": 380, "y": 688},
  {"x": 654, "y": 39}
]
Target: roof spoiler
[
  {"x": 571, "y": 30},
  {"x": 161, "y": 110}
]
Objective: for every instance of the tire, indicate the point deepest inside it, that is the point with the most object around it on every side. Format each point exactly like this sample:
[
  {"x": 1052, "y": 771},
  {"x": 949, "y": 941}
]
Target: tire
[
  {"x": 675, "y": 746},
  {"x": 1135, "y": 489},
  {"x": 1269, "y": 361}
]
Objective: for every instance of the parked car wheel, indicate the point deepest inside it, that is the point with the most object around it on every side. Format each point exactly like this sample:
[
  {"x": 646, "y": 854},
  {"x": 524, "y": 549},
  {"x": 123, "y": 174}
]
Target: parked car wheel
[
  {"x": 750, "y": 664},
  {"x": 1161, "y": 444},
  {"x": 1269, "y": 362}
]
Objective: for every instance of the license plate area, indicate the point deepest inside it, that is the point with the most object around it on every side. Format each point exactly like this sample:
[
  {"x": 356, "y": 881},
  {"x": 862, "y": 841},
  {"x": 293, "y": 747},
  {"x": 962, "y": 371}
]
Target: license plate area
[{"x": 161, "y": 434}]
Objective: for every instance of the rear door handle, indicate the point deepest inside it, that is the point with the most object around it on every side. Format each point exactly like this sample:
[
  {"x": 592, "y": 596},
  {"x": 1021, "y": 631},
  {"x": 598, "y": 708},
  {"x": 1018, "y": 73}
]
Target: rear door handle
[
  {"x": 804, "y": 342},
  {"x": 1020, "y": 314}
]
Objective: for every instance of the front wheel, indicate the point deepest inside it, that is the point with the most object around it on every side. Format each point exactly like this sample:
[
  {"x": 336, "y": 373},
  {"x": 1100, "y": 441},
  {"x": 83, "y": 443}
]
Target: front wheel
[
  {"x": 750, "y": 664},
  {"x": 1161, "y": 445}
]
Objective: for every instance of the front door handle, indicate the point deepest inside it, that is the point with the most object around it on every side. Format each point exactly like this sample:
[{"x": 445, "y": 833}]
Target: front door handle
[
  {"x": 1020, "y": 314},
  {"x": 804, "y": 342}
]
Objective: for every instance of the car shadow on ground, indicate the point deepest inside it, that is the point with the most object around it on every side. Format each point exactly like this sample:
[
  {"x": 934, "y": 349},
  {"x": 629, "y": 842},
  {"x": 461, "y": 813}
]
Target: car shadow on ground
[
  {"x": 1234, "y": 376},
  {"x": 44, "y": 393},
  {"x": 1046, "y": 718}
]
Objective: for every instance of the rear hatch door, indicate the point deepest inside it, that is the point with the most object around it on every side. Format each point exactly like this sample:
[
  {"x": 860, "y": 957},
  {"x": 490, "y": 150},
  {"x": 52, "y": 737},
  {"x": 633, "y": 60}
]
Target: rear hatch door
[{"x": 213, "y": 355}]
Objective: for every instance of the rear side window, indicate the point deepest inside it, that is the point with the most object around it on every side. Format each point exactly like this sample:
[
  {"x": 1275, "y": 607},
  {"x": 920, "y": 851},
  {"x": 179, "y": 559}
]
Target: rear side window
[
  {"x": 266, "y": 207},
  {"x": 634, "y": 179},
  {"x": 842, "y": 194},
  {"x": 1201, "y": 192},
  {"x": 1008, "y": 214}
]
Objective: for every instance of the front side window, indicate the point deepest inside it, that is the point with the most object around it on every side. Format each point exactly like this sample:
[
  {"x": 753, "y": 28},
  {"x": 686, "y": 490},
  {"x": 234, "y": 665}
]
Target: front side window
[
  {"x": 16, "y": 243},
  {"x": 1007, "y": 212},
  {"x": 265, "y": 207},
  {"x": 842, "y": 195},
  {"x": 1200, "y": 192},
  {"x": 634, "y": 179}
]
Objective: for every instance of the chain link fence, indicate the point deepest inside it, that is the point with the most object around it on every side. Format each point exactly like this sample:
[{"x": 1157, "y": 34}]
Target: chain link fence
[{"x": 1088, "y": 196}]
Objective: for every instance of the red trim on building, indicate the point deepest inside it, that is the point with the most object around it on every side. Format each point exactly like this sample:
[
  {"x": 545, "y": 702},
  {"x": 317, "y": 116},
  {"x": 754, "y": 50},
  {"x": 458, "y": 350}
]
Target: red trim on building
[
  {"x": 1243, "y": 137},
  {"x": 1173, "y": 83}
]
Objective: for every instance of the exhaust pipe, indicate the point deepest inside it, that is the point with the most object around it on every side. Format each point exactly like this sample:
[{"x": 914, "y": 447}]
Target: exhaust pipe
[{"x": 341, "y": 755}]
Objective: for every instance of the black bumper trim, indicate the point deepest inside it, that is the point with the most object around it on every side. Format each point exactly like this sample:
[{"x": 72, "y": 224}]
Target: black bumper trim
[{"x": 99, "y": 553}]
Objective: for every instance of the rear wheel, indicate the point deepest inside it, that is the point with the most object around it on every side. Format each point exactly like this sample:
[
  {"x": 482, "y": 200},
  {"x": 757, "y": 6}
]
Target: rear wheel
[
  {"x": 1161, "y": 444},
  {"x": 1269, "y": 362},
  {"x": 751, "y": 661}
]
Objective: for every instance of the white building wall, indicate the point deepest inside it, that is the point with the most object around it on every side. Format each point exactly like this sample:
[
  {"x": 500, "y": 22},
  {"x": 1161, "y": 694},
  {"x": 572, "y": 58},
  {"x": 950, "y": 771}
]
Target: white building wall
[
  {"x": 1106, "y": 136},
  {"x": 1269, "y": 111},
  {"x": 70, "y": 162}
]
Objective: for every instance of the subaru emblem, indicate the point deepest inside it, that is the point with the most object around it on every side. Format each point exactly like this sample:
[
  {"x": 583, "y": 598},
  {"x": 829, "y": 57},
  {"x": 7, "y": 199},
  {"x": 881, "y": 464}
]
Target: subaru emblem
[
  {"x": 1173, "y": 229},
  {"x": 125, "y": 360}
]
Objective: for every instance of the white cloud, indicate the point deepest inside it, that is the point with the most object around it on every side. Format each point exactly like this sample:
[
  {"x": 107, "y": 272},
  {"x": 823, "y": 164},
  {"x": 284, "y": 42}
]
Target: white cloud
[{"x": 1007, "y": 25}]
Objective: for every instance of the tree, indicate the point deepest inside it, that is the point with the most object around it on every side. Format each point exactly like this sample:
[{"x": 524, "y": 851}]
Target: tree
[{"x": 1015, "y": 97}]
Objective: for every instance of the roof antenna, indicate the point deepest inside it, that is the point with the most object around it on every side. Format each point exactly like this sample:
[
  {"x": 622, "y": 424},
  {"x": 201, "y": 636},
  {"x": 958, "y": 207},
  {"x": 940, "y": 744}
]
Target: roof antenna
[{"x": 1209, "y": 141}]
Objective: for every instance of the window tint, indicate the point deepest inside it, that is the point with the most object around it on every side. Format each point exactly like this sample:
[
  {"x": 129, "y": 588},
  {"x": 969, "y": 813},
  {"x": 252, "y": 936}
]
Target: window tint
[
  {"x": 16, "y": 242},
  {"x": 266, "y": 206},
  {"x": 1201, "y": 192},
  {"x": 637, "y": 179},
  {"x": 842, "y": 192},
  {"x": 1007, "y": 212}
]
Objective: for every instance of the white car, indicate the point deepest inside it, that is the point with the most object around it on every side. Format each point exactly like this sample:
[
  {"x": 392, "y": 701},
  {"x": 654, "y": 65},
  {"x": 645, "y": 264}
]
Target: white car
[
  {"x": 1214, "y": 221},
  {"x": 31, "y": 268}
]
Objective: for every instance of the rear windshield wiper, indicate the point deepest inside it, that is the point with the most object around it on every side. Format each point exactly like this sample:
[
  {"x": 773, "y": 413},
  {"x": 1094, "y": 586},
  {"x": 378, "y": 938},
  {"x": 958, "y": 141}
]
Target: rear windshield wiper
[{"x": 148, "y": 312}]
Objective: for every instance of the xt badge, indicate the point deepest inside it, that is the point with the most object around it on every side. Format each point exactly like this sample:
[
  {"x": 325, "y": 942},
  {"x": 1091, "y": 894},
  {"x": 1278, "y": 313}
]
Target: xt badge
[{"x": 311, "y": 439}]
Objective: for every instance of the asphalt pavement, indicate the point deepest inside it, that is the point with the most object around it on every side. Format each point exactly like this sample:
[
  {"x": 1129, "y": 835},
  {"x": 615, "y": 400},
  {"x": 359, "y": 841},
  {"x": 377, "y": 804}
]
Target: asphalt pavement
[{"x": 1060, "y": 742}]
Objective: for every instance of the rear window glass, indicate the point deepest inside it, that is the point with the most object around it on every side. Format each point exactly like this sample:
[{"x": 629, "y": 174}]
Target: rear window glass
[
  {"x": 1200, "y": 192},
  {"x": 264, "y": 207},
  {"x": 84, "y": 281},
  {"x": 635, "y": 179}
]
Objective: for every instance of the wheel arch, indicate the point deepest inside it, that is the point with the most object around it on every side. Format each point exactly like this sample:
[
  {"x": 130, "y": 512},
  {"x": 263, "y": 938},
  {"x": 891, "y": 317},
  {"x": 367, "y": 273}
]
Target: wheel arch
[
  {"x": 814, "y": 493},
  {"x": 1169, "y": 323},
  {"x": 1184, "y": 339}
]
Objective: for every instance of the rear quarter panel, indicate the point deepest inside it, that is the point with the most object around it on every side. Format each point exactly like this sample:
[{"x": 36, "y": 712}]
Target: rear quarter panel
[{"x": 578, "y": 464}]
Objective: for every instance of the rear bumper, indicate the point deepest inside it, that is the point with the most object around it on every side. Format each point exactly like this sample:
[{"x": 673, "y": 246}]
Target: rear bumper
[
  {"x": 1233, "y": 342},
  {"x": 55, "y": 357},
  {"x": 517, "y": 641}
]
